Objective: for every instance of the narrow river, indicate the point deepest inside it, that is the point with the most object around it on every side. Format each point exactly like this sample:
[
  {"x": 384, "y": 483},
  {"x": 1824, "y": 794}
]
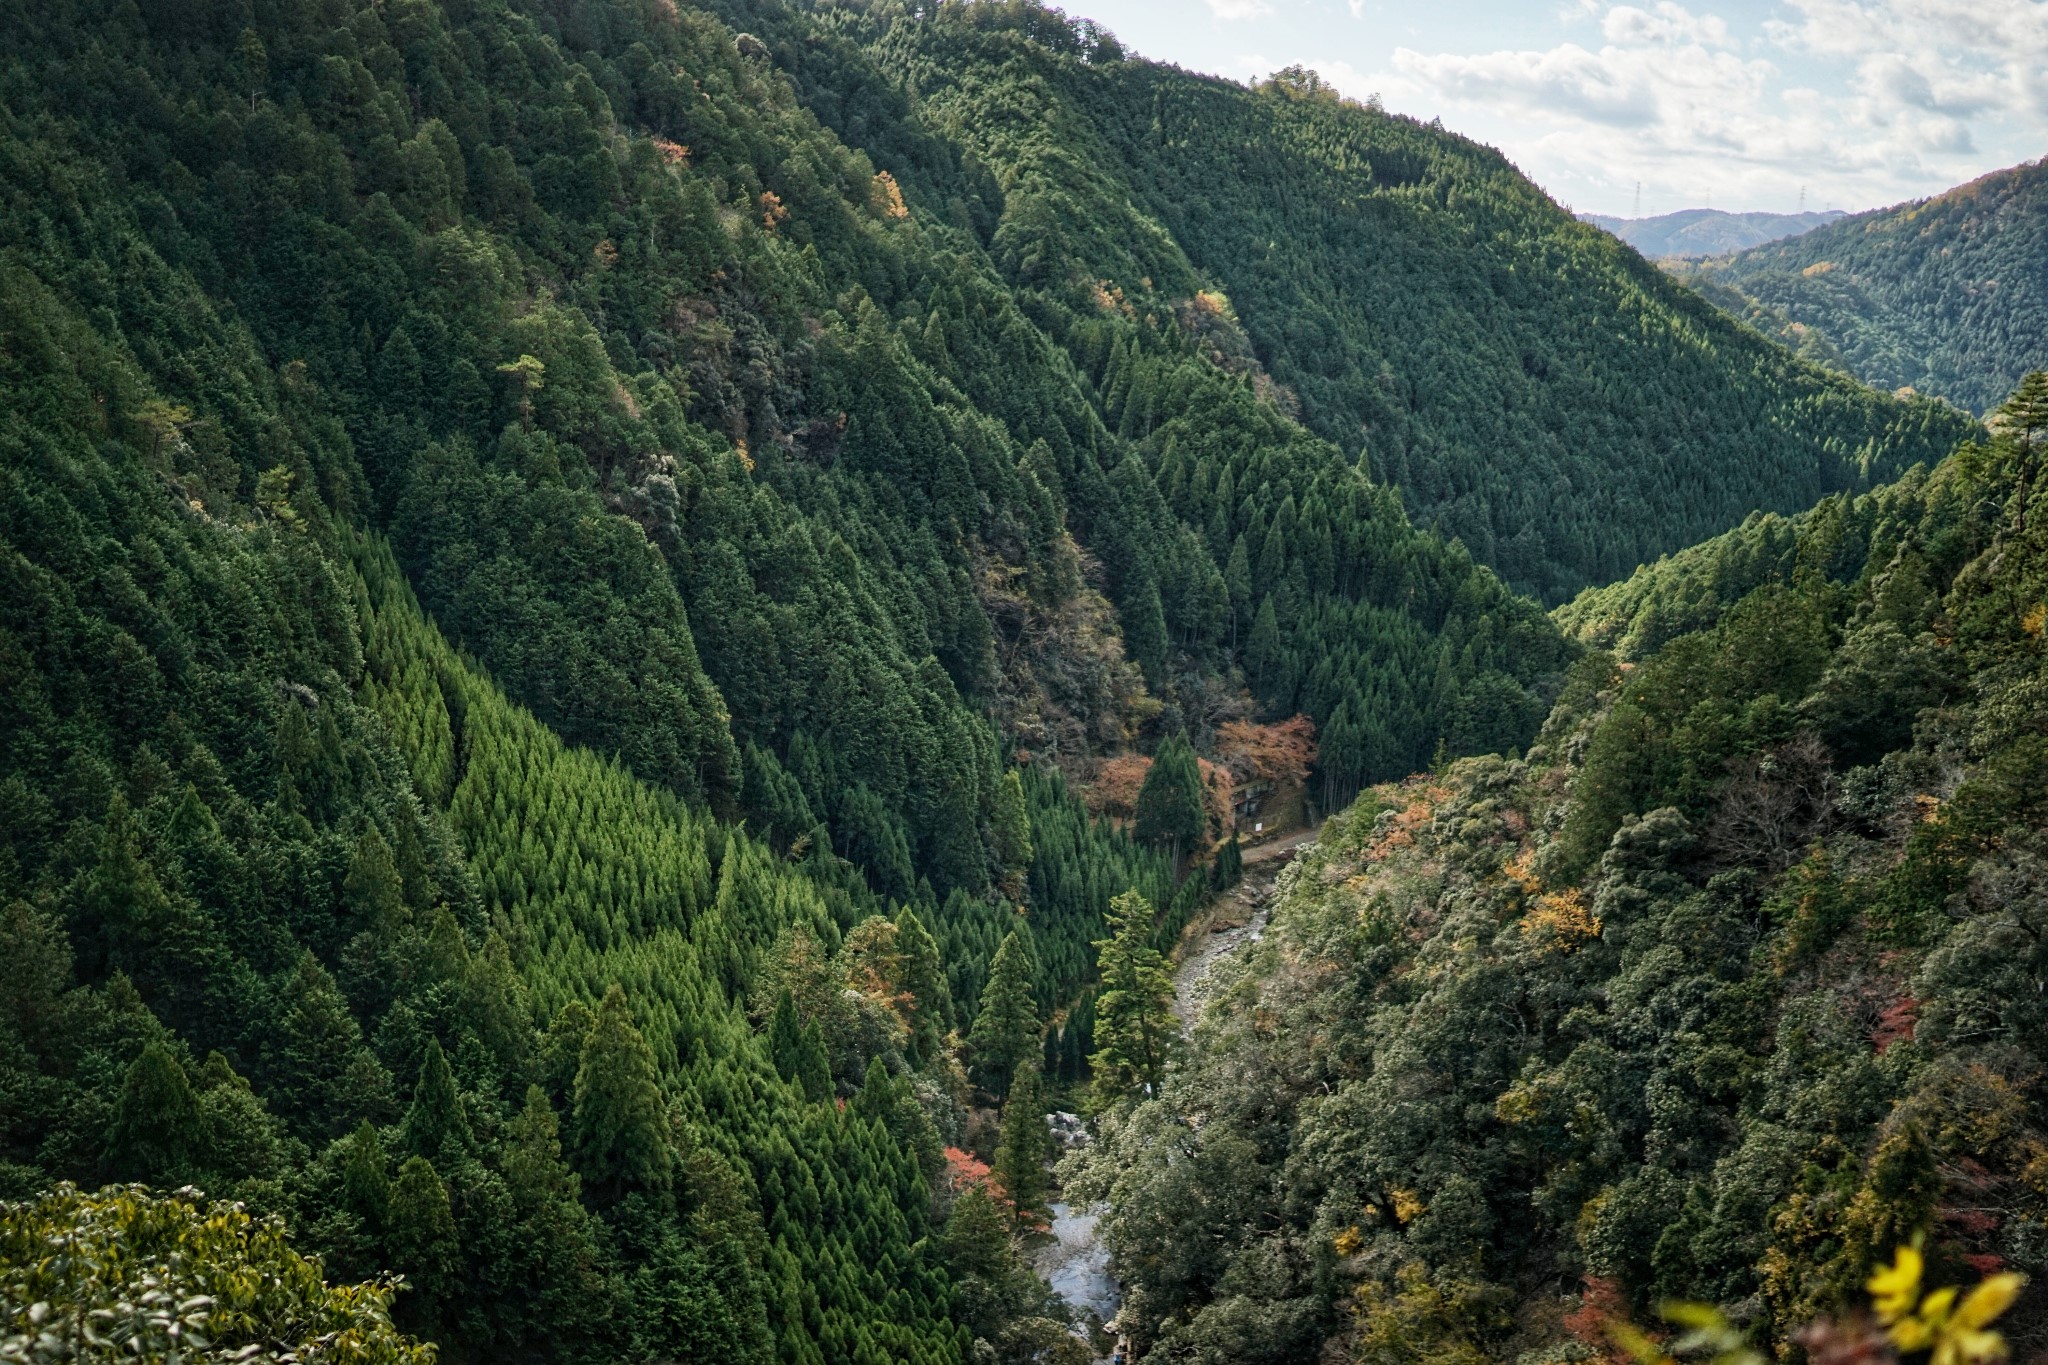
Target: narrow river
[{"x": 1075, "y": 1262}]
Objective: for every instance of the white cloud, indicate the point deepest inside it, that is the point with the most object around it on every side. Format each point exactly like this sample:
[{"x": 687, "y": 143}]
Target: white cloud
[
  {"x": 1240, "y": 9},
  {"x": 1621, "y": 86},
  {"x": 1668, "y": 25},
  {"x": 1967, "y": 59},
  {"x": 1869, "y": 100}
]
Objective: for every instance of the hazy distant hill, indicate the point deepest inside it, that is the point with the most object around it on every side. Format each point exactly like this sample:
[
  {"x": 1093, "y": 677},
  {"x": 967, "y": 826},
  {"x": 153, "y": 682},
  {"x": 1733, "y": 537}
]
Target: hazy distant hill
[
  {"x": 1948, "y": 295},
  {"x": 1708, "y": 232}
]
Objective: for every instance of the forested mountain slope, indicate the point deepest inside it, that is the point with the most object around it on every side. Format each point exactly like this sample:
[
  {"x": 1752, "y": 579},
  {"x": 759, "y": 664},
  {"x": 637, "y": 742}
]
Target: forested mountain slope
[
  {"x": 1533, "y": 387},
  {"x": 547, "y": 607},
  {"x": 1690, "y": 590},
  {"x": 553, "y": 607},
  {"x": 1948, "y": 295},
  {"x": 1728, "y": 988}
]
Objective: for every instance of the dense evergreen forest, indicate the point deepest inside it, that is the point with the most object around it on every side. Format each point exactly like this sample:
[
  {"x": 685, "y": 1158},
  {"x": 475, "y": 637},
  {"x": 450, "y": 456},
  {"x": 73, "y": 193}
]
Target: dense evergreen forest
[
  {"x": 1727, "y": 988},
  {"x": 1533, "y": 388},
  {"x": 551, "y": 612},
  {"x": 570, "y": 564},
  {"x": 1947, "y": 295}
]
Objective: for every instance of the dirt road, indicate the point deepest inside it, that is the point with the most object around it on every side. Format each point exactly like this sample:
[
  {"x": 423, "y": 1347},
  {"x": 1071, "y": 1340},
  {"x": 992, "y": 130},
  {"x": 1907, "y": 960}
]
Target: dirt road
[{"x": 1259, "y": 853}]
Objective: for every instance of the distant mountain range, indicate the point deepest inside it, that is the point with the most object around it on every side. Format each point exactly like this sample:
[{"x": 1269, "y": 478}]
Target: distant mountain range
[
  {"x": 1708, "y": 232},
  {"x": 1947, "y": 295}
]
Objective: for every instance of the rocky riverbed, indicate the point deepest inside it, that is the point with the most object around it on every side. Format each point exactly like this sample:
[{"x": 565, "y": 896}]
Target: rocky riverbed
[{"x": 1075, "y": 1262}]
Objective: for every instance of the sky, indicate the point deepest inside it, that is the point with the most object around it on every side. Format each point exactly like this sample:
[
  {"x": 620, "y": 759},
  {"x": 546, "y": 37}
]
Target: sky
[{"x": 1647, "y": 108}]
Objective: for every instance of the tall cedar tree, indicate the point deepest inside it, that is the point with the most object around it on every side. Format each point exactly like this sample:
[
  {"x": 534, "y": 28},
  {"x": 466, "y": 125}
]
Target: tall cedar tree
[
  {"x": 130, "y": 910},
  {"x": 798, "y": 1050},
  {"x": 2024, "y": 415},
  {"x": 366, "y": 1178},
  {"x": 321, "y": 1054},
  {"x": 1010, "y": 829},
  {"x": 157, "y": 1133},
  {"x": 2021, "y": 425},
  {"x": 621, "y": 1119},
  {"x": 423, "y": 1239},
  {"x": 436, "y": 1126},
  {"x": 976, "y": 1241},
  {"x": 922, "y": 976},
  {"x": 785, "y": 1035},
  {"x": 1171, "y": 813},
  {"x": 1006, "y": 1030},
  {"x": 1025, "y": 1150},
  {"x": 1134, "y": 1025}
]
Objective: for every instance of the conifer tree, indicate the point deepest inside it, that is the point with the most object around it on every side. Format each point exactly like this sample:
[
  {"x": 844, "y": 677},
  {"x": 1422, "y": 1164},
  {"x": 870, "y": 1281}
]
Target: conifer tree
[
  {"x": 798, "y": 1050},
  {"x": 1228, "y": 868},
  {"x": 814, "y": 1064},
  {"x": 35, "y": 971},
  {"x": 621, "y": 1137},
  {"x": 1024, "y": 1150},
  {"x": 331, "y": 1076},
  {"x": 1263, "y": 662},
  {"x": 494, "y": 1002},
  {"x": 534, "y": 1168},
  {"x": 785, "y": 1035},
  {"x": 561, "y": 1052},
  {"x": 2023, "y": 417},
  {"x": 556, "y": 1235},
  {"x": 1005, "y": 1030},
  {"x": 1145, "y": 627},
  {"x": 1134, "y": 1025},
  {"x": 1171, "y": 812},
  {"x": 436, "y": 1127},
  {"x": 2021, "y": 423},
  {"x": 373, "y": 891},
  {"x": 876, "y": 1098},
  {"x": 445, "y": 955},
  {"x": 366, "y": 1179},
  {"x": 128, "y": 908},
  {"x": 891, "y": 1101},
  {"x": 1237, "y": 581},
  {"x": 423, "y": 1242},
  {"x": 238, "y": 1136},
  {"x": 1010, "y": 829},
  {"x": 976, "y": 1241},
  {"x": 923, "y": 979},
  {"x": 157, "y": 1132}
]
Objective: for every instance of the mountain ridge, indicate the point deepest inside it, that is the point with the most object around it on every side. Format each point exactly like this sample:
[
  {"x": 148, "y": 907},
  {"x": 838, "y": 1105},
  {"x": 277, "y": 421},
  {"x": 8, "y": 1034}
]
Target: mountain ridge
[
  {"x": 1694, "y": 233},
  {"x": 1717, "y": 993},
  {"x": 1942, "y": 295},
  {"x": 567, "y": 623},
  {"x": 1334, "y": 215}
]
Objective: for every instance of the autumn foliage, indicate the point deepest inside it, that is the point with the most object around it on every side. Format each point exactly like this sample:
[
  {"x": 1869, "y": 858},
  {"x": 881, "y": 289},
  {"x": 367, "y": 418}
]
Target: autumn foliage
[
  {"x": 886, "y": 196},
  {"x": 964, "y": 1170},
  {"x": 1114, "y": 793},
  {"x": 1281, "y": 753}
]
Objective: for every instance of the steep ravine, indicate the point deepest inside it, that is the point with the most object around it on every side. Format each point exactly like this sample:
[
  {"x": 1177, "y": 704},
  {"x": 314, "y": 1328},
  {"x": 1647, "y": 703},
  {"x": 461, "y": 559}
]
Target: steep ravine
[{"x": 1075, "y": 1262}]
